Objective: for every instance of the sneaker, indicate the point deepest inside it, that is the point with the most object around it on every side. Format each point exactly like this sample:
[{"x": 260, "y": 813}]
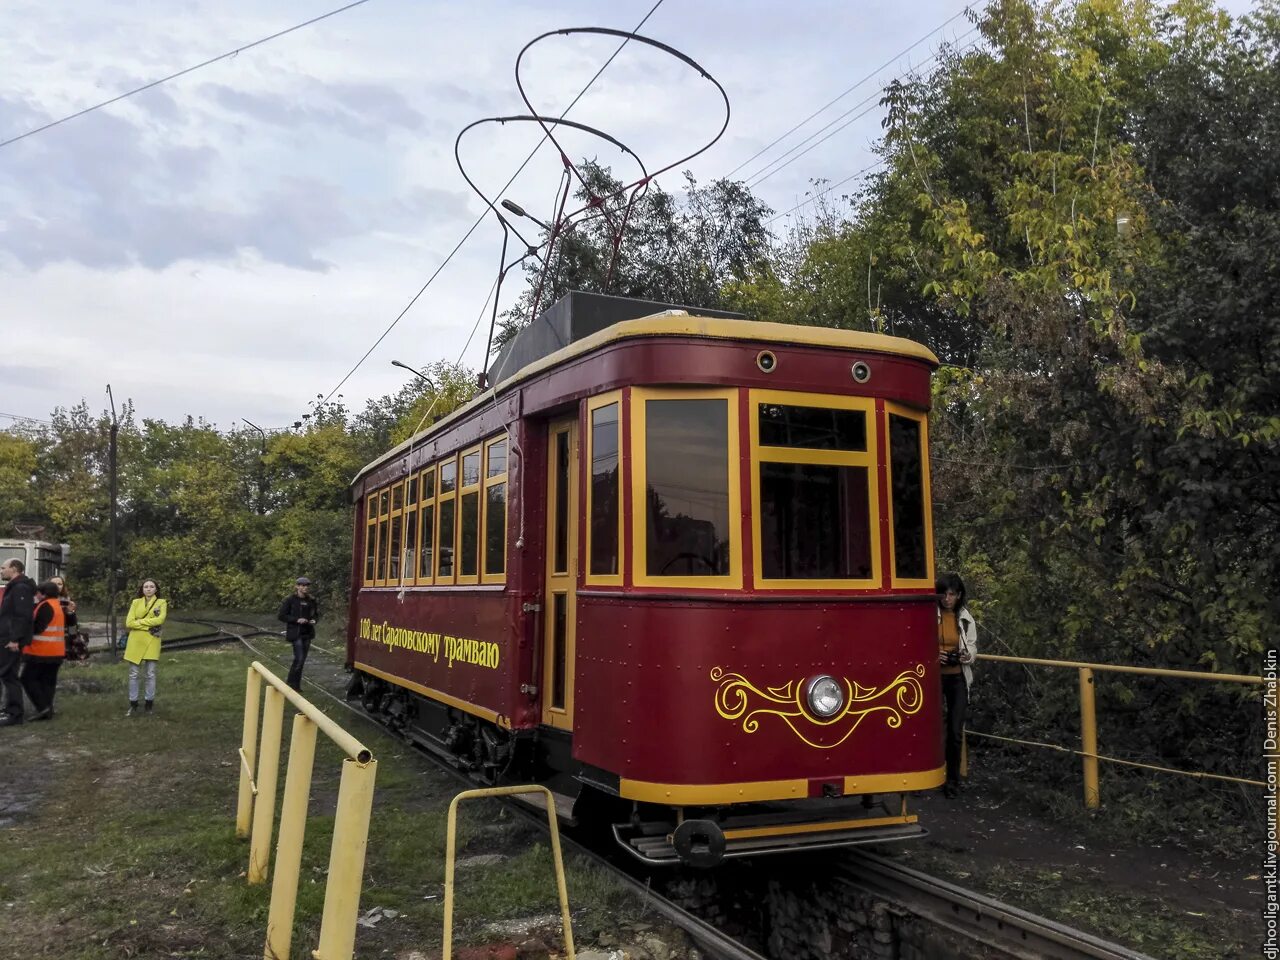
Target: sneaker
[
  {"x": 45, "y": 714},
  {"x": 9, "y": 720},
  {"x": 133, "y": 708}
]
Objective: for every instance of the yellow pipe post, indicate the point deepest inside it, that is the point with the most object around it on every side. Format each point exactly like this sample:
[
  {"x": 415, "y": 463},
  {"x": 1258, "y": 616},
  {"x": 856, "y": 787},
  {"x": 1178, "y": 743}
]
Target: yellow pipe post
[
  {"x": 1089, "y": 738},
  {"x": 249, "y": 751},
  {"x": 346, "y": 861},
  {"x": 561, "y": 888},
  {"x": 558, "y": 860},
  {"x": 264, "y": 809},
  {"x": 293, "y": 823}
]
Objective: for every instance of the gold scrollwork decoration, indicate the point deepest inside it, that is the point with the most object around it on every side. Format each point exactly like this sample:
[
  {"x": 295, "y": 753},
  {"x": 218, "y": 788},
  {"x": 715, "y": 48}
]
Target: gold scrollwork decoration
[{"x": 737, "y": 698}]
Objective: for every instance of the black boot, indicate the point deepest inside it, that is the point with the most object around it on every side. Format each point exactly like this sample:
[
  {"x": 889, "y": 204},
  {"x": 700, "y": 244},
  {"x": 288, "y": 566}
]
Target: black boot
[
  {"x": 149, "y": 705},
  {"x": 133, "y": 708}
]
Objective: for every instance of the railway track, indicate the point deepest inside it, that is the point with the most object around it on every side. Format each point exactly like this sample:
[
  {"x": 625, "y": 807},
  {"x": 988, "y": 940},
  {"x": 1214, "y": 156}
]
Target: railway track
[
  {"x": 976, "y": 924},
  {"x": 713, "y": 944},
  {"x": 975, "y": 917}
]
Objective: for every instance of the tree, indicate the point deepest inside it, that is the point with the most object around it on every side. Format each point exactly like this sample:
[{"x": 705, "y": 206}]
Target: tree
[{"x": 683, "y": 251}]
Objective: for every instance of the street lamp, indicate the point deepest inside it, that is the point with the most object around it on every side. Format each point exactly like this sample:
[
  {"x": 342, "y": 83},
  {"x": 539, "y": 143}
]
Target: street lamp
[
  {"x": 262, "y": 466},
  {"x": 520, "y": 211},
  {"x": 417, "y": 373}
]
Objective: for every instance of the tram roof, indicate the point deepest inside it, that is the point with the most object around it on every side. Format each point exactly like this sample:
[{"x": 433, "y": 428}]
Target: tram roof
[{"x": 677, "y": 323}]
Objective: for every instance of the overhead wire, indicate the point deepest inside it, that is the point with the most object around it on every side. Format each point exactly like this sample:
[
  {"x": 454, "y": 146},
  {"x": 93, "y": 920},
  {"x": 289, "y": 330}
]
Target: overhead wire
[
  {"x": 865, "y": 170},
  {"x": 822, "y": 193},
  {"x": 480, "y": 219},
  {"x": 761, "y": 175},
  {"x": 888, "y": 63},
  {"x": 18, "y": 416},
  {"x": 182, "y": 73}
]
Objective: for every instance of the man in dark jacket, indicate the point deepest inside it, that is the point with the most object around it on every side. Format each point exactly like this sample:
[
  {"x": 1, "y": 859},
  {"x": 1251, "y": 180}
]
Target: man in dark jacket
[
  {"x": 17, "y": 609},
  {"x": 299, "y": 614}
]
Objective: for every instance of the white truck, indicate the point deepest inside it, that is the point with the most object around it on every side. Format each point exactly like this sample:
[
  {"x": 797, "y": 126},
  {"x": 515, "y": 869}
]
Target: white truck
[{"x": 41, "y": 558}]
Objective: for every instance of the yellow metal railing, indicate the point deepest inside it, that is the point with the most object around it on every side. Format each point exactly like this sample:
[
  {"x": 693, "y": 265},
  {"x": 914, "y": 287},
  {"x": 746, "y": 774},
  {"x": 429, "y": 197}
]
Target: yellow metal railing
[
  {"x": 558, "y": 862},
  {"x": 1088, "y": 751},
  {"x": 255, "y": 814}
]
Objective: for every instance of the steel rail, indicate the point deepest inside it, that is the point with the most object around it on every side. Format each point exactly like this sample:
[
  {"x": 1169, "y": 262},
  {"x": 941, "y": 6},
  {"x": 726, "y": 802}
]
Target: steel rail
[
  {"x": 713, "y": 943},
  {"x": 976, "y": 916}
]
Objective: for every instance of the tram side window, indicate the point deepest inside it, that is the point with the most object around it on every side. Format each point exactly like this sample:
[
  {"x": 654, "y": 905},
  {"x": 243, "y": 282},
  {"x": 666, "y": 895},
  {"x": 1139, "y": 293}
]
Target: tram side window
[
  {"x": 410, "y": 528},
  {"x": 384, "y": 527},
  {"x": 606, "y": 491},
  {"x": 394, "y": 537},
  {"x": 495, "y": 510},
  {"x": 907, "y": 466},
  {"x": 687, "y": 488},
  {"x": 814, "y": 482},
  {"x": 427, "y": 509},
  {"x": 370, "y": 537},
  {"x": 445, "y": 508},
  {"x": 469, "y": 517}
]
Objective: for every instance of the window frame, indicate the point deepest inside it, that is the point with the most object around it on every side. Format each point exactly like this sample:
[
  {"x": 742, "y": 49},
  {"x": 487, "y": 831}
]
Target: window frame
[
  {"x": 828, "y": 458},
  {"x": 394, "y": 514},
  {"x": 640, "y": 396},
  {"x": 425, "y": 502},
  {"x": 459, "y": 493},
  {"x": 371, "y": 538},
  {"x": 383, "y": 522},
  {"x": 408, "y": 577},
  {"x": 896, "y": 582},
  {"x": 606, "y": 579},
  {"x": 486, "y": 482},
  {"x": 442, "y": 498}
]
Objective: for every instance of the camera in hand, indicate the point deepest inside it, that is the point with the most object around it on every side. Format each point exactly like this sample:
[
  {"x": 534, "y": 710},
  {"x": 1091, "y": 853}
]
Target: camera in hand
[{"x": 953, "y": 658}]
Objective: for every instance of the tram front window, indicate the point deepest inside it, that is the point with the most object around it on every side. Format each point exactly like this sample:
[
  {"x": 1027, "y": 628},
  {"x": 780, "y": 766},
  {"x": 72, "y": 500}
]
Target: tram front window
[
  {"x": 814, "y": 476},
  {"x": 687, "y": 488},
  {"x": 814, "y": 522}
]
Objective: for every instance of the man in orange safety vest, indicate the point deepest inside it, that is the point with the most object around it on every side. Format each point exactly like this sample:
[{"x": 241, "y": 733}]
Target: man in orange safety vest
[{"x": 43, "y": 658}]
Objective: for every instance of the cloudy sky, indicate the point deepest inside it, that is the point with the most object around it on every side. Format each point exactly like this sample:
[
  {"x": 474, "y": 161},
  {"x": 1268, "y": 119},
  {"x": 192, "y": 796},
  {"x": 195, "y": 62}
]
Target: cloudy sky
[{"x": 229, "y": 244}]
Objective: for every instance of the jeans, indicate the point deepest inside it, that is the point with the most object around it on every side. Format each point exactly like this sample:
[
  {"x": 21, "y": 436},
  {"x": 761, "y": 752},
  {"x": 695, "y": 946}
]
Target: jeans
[
  {"x": 955, "y": 699},
  {"x": 301, "y": 645},
  {"x": 133, "y": 680}
]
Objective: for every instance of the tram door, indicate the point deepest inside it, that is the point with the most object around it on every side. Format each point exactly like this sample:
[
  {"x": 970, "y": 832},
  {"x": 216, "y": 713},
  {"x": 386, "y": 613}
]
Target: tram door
[{"x": 560, "y": 601}]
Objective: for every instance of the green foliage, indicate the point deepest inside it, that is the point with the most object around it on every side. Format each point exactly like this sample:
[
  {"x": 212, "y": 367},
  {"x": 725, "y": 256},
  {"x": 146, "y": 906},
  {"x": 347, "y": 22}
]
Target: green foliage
[
  {"x": 685, "y": 251},
  {"x": 220, "y": 519},
  {"x": 1080, "y": 215}
]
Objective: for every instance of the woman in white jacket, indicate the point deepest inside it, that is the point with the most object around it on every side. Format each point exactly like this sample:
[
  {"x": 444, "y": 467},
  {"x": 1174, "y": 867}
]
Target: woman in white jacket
[{"x": 957, "y": 647}]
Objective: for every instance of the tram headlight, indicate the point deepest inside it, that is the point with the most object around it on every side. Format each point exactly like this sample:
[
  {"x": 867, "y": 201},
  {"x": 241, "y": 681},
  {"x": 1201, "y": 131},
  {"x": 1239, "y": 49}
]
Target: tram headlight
[{"x": 825, "y": 696}]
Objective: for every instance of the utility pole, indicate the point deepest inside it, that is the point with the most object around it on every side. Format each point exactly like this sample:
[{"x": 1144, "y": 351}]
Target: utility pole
[
  {"x": 114, "y": 562},
  {"x": 262, "y": 467}
]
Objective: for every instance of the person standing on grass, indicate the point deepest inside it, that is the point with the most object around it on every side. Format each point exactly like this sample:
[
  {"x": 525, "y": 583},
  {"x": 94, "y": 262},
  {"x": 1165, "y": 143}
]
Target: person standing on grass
[
  {"x": 77, "y": 649},
  {"x": 299, "y": 614},
  {"x": 146, "y": 615},
  {"x": 957, "y": 647},
  {"x": 17, "y": 611},
  {"x": 42, "y": 659}
]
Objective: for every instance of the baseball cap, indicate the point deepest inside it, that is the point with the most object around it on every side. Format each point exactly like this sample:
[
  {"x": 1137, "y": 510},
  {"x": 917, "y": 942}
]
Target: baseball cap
[{"x": 303, "y": 582}]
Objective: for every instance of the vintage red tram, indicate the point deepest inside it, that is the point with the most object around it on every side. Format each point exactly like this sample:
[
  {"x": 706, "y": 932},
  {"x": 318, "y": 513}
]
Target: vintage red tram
[{"x": 679, "y": 568}]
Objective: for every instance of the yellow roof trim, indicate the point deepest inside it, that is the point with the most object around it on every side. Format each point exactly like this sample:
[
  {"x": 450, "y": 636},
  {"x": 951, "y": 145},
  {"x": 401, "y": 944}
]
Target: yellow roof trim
[{"x": 678, "y": 323}]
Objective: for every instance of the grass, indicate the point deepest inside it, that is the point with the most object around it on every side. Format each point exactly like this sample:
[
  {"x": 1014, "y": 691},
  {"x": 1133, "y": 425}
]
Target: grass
[{"x": 128, "y": 850}]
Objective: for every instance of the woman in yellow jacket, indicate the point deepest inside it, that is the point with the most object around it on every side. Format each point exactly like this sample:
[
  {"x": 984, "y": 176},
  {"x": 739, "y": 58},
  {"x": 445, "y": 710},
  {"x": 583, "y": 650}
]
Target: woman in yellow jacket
[{"x": 146, "y": 614}]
